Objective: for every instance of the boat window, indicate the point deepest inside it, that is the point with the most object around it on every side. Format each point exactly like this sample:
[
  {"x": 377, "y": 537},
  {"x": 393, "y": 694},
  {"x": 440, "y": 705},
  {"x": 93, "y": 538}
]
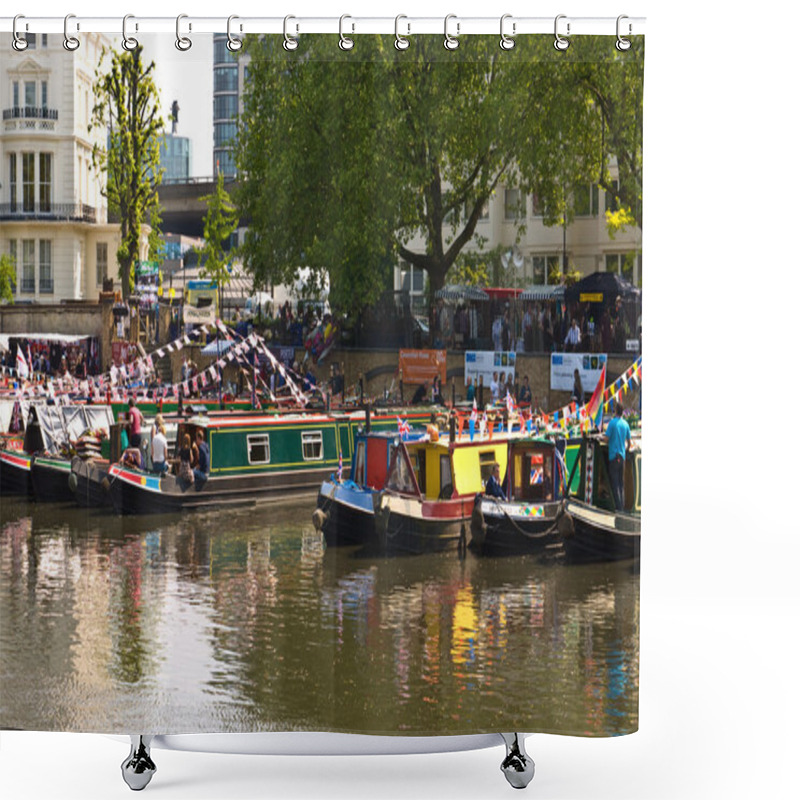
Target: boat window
[
  {"x": 445, "y": 478},
  {"x": 312, "y": 445},
  {"x": 487, "y": 460},
  {"x": 400, "y": 478},
  {"x": 534, "y": 474},
  {"x": 258, "y": 448},
  {"x": 359, "y": 475}
]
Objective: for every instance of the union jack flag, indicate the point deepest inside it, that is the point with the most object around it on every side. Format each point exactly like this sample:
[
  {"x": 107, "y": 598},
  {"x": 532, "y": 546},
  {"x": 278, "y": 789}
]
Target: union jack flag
[
  {"x": 340, "y": 471},
  {"x": 510, "y": 404},
  {"x": 537, "y": 476},
  {"x": 403, "y": 428}
]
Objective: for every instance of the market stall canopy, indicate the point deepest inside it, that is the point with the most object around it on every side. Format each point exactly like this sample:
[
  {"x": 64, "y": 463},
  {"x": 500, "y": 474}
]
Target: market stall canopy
[
  {"x": 543, "y": 293},
  {"x": 458, "y": 292},
  {"x": 602, "y": 287},
  {"x": 217, "y": 346},
  {"x": 62, "y": 338},
  {"x": 503, "y": 293}
]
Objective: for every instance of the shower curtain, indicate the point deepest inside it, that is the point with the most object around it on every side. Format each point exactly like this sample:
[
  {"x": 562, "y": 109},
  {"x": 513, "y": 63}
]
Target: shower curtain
[{"x": 361, "y": 203}]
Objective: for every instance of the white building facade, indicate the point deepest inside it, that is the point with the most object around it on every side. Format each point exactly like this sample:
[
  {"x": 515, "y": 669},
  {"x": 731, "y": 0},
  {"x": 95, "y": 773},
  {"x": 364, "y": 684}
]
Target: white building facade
[
  {"x": 53, "y": 216},
  {"x": 513, "y": 222}
]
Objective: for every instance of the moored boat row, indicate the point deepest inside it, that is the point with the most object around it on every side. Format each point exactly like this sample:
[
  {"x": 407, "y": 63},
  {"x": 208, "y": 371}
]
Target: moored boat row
[{"x": 429, "y": 494}]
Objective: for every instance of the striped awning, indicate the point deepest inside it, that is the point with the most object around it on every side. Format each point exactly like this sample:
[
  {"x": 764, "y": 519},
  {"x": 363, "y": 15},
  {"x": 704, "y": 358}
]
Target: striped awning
[
  {"x": 543, "y": 293},
  {"x": 456, "y": 292}
]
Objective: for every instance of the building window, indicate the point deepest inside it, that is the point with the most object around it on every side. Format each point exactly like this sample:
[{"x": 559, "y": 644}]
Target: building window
[
  {"x": 224, "y": 162},
  {"x": 43, "y": 92},
  {"x": 514, "y": 205},
  {"x": 612, "y": 204},
  {"x": 28, "y": 266},
  {"x": 12, "y": 252},
  {"x": 312, "y": 445},
  {"x": 221, "y": 53},
  {"x": 226, "y": 106},
  {"x": 258, "y": 449},
  {"x": 15, "y": 93},
  {"x": 226, "y": 79},
  {"x": 102, "y": 262},
  {"x": 224, "y": 134},
  {"x": 30, "y": 38},
  {"x": 621, "y": 264},
  {"x": 44, "y": 40},
  {"x": 12, "y": 181},
  {"x": 28, "y": 181},
  {"x": 538, "y": 208},
  {"x": 30, "y": 94},
  {"x": 45, "y": 267},
  {"x": 45, "y": 181},
  {"x": 544, "y": 267},
  {"x": 587, "y": 199}
]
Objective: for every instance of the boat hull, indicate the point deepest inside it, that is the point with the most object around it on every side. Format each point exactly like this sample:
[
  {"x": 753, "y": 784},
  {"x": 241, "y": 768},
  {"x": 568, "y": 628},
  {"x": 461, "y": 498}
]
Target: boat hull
[
  {"x": 500, "y": 528},
  {"x": 140, "y": 492},
  {"x": 15, "y": 472},
  {"x": 408, "y": 525},
  {"x": 87, "y": 482},
  {"x": 347, "y": 514},
  {"x": 50, "y": 478},
  {"x": 600, "y": 535}
]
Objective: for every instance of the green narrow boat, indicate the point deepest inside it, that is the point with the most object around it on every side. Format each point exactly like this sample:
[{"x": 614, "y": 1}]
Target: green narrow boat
[{"x": 253, "y": 457}]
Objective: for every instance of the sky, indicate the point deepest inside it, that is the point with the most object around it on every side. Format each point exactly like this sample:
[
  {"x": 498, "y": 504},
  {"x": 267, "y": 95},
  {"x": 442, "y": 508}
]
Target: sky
[{"x": 188, "y": 78}]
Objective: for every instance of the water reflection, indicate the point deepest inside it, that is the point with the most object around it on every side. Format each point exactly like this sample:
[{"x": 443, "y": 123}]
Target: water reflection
[{"x": 246, "y": 622}]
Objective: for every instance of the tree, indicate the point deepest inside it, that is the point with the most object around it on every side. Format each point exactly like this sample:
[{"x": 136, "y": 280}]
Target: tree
[
  {"x": 219, "y": 224},
  {"x": 127, "y": 107},
  {"x": 343, "y": 166},
  {"x": 8, "y": 278}
]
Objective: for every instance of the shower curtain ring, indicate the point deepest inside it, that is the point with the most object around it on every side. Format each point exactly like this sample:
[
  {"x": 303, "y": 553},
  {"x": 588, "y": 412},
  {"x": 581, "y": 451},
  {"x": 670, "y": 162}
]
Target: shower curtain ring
[
  {"x": 561, "y": 43},
  {"x": 622, "y": 43},
  {"x": 401, "y": 42},
  {"x": 289, "y": 42},
  {"x": 128, "y": 42},
  {"x": 234, "y": 43},
  {"x": 507, "y": 42},
  {"x": 183, "y": 43},
  {"x": 345, "y": 42},
  {"x": 71, "y": 43},
  {"x": 19, "y": 42},
  {"x": 451, "y": 42}
]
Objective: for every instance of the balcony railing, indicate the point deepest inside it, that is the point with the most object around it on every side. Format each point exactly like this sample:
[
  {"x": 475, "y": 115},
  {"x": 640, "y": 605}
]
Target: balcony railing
[
  {"x": 72, "y": 212},
  {"x": 30, "y": 112}
]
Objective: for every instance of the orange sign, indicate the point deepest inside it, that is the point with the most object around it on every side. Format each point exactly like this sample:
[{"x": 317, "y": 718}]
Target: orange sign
[{"x": 420, "y": 366}]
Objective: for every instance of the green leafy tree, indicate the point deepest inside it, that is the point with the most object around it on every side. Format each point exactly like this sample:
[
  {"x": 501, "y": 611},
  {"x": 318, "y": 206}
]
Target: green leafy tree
[
  {"x": 127, "y": 108},
  {"x": 8, "y": 278},
  {"x": 344, "y": 166},
  {"x": 219, "y": 224}
]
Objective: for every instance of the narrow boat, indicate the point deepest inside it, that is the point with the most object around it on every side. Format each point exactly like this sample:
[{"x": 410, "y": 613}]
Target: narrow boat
[
  {"x": 602, "y": 533},
  {"x": 532, "y": 518},
  {"x": 51, "y": 433},
  {"x": 430, "y": 490},
  {"x": 253, "y": 457},
  {"x": 345, "y": 510},
  {"x": 15, "y": 470}
]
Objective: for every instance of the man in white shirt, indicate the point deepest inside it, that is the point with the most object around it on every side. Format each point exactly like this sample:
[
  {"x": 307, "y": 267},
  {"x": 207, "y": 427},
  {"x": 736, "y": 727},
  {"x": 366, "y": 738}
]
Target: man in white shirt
[
  {"x": 159, "y": 449},
  {"x": 573, "y": 338}
]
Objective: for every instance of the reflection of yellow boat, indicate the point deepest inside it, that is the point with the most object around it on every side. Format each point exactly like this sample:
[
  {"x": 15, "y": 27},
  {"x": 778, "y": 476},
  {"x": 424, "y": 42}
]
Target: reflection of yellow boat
[{"x": 430, "y": 491}]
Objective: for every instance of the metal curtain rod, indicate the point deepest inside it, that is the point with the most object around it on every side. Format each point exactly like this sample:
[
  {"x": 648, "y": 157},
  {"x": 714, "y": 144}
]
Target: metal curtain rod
[{"x": 405, "y": 25}]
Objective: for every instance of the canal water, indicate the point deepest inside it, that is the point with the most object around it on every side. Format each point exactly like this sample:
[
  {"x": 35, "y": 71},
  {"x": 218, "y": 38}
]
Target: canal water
[{"x": 242, "y": 620}]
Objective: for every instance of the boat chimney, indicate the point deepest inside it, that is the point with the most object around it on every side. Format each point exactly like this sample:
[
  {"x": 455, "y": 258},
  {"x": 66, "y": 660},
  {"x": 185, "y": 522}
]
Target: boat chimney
[{"x": 367, "y": 421}]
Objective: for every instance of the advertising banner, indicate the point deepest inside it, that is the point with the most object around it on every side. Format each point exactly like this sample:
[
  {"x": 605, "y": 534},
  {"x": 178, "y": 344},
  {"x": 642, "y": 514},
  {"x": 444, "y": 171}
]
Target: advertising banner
[
  {"x": 563, "y": 366},
  {"x": 420, "y": 366},
  {"x": 192, "y": 315},
  {"x": 485, "y": 363}
]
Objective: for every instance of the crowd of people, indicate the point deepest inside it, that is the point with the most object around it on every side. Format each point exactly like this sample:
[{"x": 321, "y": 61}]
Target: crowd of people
[{"x": 535, "y": 327}]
